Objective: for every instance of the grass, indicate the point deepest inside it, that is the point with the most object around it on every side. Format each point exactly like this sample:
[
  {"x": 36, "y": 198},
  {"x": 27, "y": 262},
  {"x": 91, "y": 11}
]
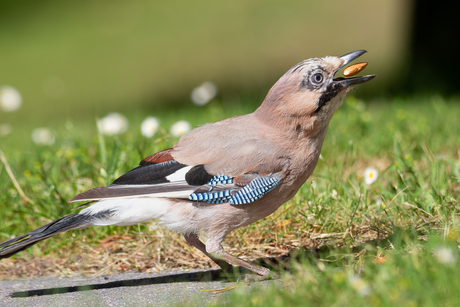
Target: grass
[
  {"x": 411, "y": 273},
  {"x": 382, "y": 236}
]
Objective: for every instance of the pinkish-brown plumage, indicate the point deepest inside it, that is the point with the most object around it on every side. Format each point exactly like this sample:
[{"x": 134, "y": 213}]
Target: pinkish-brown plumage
[{"x": 224, "y": 175}]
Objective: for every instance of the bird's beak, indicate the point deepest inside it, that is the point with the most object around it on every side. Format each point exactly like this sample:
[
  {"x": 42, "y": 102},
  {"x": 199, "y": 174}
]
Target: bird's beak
[{"x": 348, "y": 58}]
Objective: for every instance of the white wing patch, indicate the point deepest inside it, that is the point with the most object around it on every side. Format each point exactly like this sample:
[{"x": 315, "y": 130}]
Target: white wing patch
[{"x": 179, "y": 175}]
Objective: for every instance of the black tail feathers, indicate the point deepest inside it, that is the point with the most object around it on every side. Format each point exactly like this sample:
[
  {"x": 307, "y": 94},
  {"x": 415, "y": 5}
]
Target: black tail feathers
[{"x": 15, "y": 245}]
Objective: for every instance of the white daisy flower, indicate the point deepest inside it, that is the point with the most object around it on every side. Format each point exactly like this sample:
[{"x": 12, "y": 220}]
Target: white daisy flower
[
  {"x": 204, "y": 93},
  {"x": 149, "y": 126},
  {"x": 445, "y": 255},
  {"x": 370, "y": 175},
  {"x": 43, "y": 136},
  {"x": 10, "y": 99},
  {"x": 180, "y": 128},
  {"x": 113, "y": 123},
  {"x": 334, "y": 194},
  {"x": 360, "y": 285}
]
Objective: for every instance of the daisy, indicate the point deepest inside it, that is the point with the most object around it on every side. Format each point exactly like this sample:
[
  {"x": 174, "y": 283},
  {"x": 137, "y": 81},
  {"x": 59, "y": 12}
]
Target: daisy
[
  {"x": 180, "y": 128},
  {"x": 370, "y": 175},
  {"x": 113, "y": 123},
  {"x": 149, "y": 126},
  {"x": 10, "y": 99},
  {"x": 360, "y": 285},
  {"x": 445, "y": 255},
  {"x": 204, "y": 93},
  {"x": 43, "y": 136}
]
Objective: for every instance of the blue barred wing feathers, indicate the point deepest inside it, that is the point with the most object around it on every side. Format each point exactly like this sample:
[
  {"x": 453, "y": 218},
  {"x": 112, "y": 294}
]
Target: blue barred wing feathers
[{"x": 234, "y": 194}]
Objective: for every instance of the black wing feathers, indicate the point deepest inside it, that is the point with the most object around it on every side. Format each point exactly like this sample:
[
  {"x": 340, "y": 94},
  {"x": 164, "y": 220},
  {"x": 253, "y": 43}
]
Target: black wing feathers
[
  {"x": 197, "y": 175},
  {"x": 150, "y": 173}
]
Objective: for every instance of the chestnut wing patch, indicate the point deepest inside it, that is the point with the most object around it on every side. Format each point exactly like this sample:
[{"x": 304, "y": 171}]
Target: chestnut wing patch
[{"x": 159, "y": 157}]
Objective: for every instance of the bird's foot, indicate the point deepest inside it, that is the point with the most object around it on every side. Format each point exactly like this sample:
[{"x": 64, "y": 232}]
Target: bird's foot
[{"x": 249, "y": 278}]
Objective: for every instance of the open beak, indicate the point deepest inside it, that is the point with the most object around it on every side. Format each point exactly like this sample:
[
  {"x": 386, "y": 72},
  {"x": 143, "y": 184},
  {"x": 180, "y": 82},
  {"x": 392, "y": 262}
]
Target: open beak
[{"x": 348, "y": 58}]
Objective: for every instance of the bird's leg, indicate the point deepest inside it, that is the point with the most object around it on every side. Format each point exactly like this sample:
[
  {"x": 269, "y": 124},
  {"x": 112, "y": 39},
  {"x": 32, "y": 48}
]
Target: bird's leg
[
  {"x": 193, "y": 240},
  {"x": 217, "y": 251},
  {"x": 261, "y": 271}
]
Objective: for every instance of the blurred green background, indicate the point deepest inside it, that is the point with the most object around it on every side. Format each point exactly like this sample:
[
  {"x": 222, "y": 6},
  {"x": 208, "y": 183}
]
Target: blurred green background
[
  {"x": 83, "y": 59},
  {"x": 80, "y": 60}
]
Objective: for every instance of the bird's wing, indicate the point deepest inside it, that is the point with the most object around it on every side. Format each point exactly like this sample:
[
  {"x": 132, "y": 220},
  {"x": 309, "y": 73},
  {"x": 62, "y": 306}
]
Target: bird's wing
[
  {"x": 235, "y": 146},
  {"x": 160, "y": 175}
]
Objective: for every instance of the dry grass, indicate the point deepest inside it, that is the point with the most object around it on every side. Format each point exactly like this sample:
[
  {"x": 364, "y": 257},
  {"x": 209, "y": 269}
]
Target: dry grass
[{"x": 165, "y": 250}]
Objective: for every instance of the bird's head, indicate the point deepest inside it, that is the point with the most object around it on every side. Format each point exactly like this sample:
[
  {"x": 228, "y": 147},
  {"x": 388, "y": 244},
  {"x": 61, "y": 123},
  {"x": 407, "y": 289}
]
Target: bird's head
[{"x": 309, "y": 90}]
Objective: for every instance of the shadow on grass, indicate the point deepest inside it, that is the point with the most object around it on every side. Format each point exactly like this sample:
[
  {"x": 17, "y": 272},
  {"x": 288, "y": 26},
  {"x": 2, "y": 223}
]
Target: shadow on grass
[{"x": 278, "y": 264}]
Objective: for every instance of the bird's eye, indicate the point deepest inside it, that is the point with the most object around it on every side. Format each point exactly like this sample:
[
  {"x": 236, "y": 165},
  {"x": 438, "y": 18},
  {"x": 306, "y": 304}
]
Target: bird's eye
[{"x": 317, "y": 78}]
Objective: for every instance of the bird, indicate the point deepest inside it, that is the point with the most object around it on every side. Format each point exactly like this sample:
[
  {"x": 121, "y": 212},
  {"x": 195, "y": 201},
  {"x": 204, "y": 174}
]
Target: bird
[{"x": 224, "y": 175}]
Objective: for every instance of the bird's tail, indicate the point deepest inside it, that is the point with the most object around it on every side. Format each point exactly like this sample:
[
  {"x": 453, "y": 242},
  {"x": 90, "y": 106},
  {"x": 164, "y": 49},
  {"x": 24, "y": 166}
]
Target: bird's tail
[{"x": 73, "y": 221}]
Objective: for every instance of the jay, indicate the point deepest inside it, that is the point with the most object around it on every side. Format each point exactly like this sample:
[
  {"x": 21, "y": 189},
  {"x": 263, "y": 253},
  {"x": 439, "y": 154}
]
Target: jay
[{"x": 223, "y": 175}]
